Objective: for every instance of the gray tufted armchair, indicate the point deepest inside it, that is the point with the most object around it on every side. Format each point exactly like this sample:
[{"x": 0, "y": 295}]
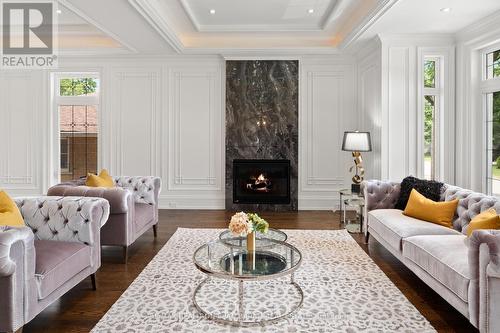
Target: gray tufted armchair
[
  {"x": 57, "y": 249},
  {"x": 134, "y": 207}
]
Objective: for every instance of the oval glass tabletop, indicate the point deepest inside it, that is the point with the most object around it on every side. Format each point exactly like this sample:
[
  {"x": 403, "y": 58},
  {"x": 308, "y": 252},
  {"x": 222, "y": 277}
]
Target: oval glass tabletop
[
  {"x": 230, "y": 239},
  {"x": 218, "y": 259}
]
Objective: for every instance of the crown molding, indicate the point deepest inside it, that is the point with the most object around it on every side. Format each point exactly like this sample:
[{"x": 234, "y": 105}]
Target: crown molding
[
  {"x": 129, "y": 48},
  {"x": 267, "y": 53},
  {"x": 478, "y": 30},
  {"x": 151, "y": 12},
  {"x": 430, "y": 39},
  {"x": 367, "y": 22}
]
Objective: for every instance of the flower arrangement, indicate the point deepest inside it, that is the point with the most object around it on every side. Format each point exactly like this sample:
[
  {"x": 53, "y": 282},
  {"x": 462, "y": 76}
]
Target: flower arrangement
[{"x": 243, "y": 224}]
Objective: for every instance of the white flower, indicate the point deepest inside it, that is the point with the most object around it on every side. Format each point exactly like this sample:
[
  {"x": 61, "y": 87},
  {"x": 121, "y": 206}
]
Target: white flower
[{"x": 240, "y": 225}]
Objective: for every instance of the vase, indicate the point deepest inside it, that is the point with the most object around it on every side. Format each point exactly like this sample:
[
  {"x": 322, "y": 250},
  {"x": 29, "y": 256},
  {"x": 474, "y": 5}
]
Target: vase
[
  {"x": 251, "y": 251},
  {"x": 251, "y": 242}
]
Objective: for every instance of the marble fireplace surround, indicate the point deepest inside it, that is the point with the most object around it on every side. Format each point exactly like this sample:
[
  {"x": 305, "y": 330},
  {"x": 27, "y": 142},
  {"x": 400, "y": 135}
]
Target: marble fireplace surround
[{"x": 262, "y": 121}]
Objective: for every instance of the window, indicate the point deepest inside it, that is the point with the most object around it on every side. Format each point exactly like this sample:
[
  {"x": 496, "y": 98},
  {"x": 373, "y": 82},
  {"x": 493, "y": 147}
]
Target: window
[
  {"x": 493, "y": 125},
  {"x": 432, "y": 91},
  {"x": 64, "y": 155},
  {"x": 493, "y": 64},
  {"x": 77, "y": 103},
  {"x": 490, "y": 89}
]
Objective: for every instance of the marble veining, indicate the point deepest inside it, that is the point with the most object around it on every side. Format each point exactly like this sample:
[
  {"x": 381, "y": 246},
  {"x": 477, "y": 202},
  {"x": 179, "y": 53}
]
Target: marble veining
[{"x": 262, "y": 120}]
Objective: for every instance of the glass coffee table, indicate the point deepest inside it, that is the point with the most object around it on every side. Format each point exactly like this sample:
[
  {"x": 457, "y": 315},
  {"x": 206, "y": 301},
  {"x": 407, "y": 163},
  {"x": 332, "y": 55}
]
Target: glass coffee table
[
  {"x": 228, "y": 238},
  {"x": 271, "y": 260}
]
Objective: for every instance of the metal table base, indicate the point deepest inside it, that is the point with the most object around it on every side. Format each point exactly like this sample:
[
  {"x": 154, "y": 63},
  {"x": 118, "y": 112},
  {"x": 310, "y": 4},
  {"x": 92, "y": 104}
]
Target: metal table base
[{"x": 241, "y": 306}]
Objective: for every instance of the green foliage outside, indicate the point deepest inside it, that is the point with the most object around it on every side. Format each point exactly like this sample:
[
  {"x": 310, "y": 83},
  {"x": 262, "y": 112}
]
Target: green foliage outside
[
  {"x": 496, "y": 128},
  {"x": 496, "y": 63},
  {"x": 429, "y": 104},
  {"x": 77, "y": 87},
  {"x": 429, "y": 74}
]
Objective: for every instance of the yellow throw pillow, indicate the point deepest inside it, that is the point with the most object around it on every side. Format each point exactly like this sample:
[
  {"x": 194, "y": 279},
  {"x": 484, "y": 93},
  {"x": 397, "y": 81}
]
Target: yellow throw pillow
[
  {"x": 488, "y": 219},
  {"x": 425, "y": 209},
  {"x": 9, "y": 213},
  {"x": 101, "y": 180}
]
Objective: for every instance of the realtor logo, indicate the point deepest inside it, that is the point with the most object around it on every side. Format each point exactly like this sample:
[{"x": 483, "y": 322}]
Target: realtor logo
[{"x": 28, "y": 34}]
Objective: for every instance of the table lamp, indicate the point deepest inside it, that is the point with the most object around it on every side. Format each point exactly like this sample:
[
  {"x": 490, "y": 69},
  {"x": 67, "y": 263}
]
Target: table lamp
[{"x": 356, "y": 142}]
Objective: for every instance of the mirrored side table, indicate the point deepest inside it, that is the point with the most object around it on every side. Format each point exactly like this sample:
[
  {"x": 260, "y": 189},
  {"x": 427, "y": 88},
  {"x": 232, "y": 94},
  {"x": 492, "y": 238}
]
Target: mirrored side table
[{"x": 351, "y": 201}]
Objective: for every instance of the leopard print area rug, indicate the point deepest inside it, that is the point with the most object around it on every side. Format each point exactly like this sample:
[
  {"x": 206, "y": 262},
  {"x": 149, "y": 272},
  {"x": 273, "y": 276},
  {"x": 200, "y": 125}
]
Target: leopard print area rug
[{"x": 344, "y": 291}]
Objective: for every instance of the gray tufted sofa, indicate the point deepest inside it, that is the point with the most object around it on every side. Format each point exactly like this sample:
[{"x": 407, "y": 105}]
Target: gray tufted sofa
[
  {"x": 464, "y": 271},
  {"x": 134, "y": 207},
  {"x": 57, "y": 249}
]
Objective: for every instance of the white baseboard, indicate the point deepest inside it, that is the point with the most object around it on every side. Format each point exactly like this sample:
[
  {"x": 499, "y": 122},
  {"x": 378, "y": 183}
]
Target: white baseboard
[
  {"x": 191, "y": 202},
  {"x": 318, "y": 203}
]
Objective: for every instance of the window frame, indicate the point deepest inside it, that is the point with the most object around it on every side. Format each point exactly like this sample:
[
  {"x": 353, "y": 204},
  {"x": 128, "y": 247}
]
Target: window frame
[
  {"x": 438, "y": 91},
  {"x": 487, "y": 86},
  {"x": 58, "y": 100}
]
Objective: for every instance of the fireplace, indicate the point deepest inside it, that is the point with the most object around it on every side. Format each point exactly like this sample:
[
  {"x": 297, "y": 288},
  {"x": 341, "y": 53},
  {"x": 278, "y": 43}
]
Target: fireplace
[{"x": 261, "y": 181}]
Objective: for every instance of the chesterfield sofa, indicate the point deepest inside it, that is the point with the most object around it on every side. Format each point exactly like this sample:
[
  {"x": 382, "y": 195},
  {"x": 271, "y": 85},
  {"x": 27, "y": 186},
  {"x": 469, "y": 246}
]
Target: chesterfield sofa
[
  {"x": 464, "y": 271},
  {"x": 133, "y": 202},
  {"x": 58, "y": 248}
]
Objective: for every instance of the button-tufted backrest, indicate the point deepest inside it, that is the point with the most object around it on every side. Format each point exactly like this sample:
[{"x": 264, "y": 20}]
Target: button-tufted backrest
[
  {"x": 64, "y": 218},
  {"x": 380, "y": 194},
  {"x": 470, "y": 204},
  {"x": 145, "y": 189}
]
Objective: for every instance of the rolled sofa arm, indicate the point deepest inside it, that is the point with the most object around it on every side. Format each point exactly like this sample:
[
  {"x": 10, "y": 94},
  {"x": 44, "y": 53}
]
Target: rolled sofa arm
[
  {"x": 145, "y": 189},
  {"x": 116, "y": 196},
  {"x": 380, "y": 194},
  {"x": 484, "y": 265},
  {"x": 70, "y": 219},
  {"x": 17, "y": 271},
  {"x": 9, "y": 236}
]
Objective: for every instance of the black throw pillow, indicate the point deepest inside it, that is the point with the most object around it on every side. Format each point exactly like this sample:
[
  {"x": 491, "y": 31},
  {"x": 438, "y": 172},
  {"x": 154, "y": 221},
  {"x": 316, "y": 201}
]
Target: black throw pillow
[{"x": 430, "y": 189}]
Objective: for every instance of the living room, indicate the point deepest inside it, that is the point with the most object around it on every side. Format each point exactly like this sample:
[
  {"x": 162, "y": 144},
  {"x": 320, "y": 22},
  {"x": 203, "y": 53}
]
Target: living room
[{"x": 250, "y": 166}]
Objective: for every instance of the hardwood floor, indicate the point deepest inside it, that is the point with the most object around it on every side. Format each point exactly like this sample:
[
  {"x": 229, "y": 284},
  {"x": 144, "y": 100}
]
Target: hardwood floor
[{"x": 81, "y": 308}]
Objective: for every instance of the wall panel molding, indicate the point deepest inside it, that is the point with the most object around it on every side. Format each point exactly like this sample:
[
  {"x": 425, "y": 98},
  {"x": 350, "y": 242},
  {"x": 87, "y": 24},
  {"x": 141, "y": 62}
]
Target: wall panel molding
[
  {"x": 20, "y": 170},
  {"x": 134, "y": 119},
  {"x": 328, "y": 108}
]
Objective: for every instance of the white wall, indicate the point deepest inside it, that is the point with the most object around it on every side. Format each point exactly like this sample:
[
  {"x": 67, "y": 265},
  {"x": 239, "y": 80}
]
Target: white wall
[
  {"x": 471, "y": 116},
  {"x": 389, "y": 83},
  {"x": 369, "y": 104},
  {"x": 327, "y": 109},
  {"x": 165, "y": 117}
]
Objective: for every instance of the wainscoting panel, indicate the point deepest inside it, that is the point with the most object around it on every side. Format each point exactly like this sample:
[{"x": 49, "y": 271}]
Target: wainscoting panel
[
  {"x": 369, "y": 105},
  {"x": 20, "y": 165},
  {"x": 328, "y": 108},
  {"x": 193, "y": 169},
  {"x": 135, "y": 118}
]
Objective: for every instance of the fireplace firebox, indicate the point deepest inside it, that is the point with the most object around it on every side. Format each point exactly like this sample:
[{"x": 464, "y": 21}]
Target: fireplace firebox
[{"x": 257, "y": 181}]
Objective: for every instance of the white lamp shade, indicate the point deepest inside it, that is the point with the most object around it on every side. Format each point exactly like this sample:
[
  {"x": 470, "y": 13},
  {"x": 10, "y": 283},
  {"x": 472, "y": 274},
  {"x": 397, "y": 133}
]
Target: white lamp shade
[{"x": 357, "y": 141}]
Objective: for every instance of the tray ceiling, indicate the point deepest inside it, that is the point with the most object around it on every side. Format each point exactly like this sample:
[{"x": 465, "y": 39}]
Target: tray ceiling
[{"x": 258, "y": 15}]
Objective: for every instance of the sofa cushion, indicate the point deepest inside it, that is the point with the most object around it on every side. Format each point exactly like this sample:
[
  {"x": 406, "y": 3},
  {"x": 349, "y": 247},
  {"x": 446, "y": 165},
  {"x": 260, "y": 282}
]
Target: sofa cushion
[
  {"x": 444, "y": 257},
  {"x": 57, "y": 262},
  {"x": 428, "y": 188},
  {"x": 439, "y": 212},
  {"x": 393, "y": 226}
]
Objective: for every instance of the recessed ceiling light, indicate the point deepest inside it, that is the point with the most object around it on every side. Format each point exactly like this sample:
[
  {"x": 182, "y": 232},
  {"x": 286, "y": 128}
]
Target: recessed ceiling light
[
  {"x": 310, "y": 11},
  {"x": 59, "y": 11},
  {"x": 445, "y": 9},
  {"x": 212, "y": 11}
]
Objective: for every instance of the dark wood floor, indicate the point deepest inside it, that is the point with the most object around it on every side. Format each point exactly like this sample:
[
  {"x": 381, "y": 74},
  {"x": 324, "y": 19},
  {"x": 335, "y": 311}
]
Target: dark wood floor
[{"x": 81, "y": 308}]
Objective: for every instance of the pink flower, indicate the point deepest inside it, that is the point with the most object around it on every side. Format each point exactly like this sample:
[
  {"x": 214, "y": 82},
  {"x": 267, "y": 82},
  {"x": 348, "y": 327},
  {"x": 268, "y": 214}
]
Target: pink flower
[{"x": 240, "y": 225}]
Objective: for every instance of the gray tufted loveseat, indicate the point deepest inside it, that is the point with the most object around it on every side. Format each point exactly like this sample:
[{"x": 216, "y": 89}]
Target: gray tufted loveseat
[
  {"x": 133, "y": 202},
  {"x": 464, "y": 271},
  {"x": 57, "y": 249}
]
